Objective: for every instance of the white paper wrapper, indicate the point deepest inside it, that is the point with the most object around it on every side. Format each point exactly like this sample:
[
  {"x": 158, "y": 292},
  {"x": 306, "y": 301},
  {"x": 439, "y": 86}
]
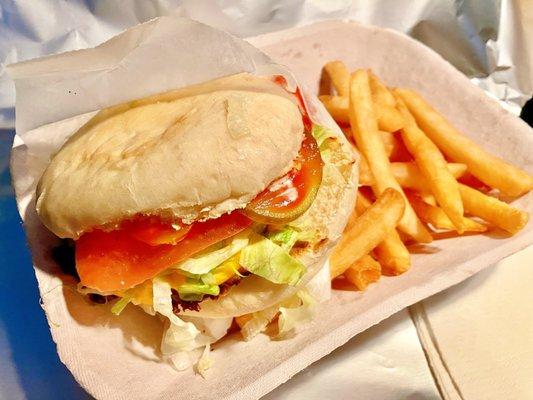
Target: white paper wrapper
[
  {"x": 110, "y": 357},
  {"x": 483, "y": 39}
]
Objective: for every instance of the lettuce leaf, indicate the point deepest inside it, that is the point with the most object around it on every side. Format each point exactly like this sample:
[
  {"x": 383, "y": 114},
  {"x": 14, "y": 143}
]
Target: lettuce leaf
[
  {"x": 205, "y": 362},
  {"x": 285, "y": 238},
  {"x": 321, "y": 134},
  {"x": 195, "y": 290},
  {"x": 120, "y": 305},
  {"x": 180, "y": 335},
  {"x": 185, "y": 336},
  {"x": 294, "y": 311},
  {"x": 264, "y": 258},
  {"x": 320, "y": 285},
  {"x": 258, "y": 322},
  {"x": 208, "y": 260},
  {"x": 291, "y": 317}
]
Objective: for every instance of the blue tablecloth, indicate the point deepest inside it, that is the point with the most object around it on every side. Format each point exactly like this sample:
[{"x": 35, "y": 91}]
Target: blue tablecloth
[{"x": 32, "y": 370}]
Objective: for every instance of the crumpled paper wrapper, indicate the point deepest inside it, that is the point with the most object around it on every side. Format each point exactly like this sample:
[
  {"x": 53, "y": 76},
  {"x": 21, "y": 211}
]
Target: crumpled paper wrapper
[
  {"x": 114, "y": 359},
  {"x": 483, "y": 39}
]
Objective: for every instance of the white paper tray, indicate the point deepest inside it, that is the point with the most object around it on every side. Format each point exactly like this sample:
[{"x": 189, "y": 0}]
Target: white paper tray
[{"x": 248, "y": 370}]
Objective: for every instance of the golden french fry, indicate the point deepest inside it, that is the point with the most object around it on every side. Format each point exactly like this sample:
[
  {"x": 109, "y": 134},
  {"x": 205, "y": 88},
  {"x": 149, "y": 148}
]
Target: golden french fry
[
  {"x": 393, "y": 255},
  {"x": 492, "y": 210},
  {"x": 407, "y": 174},
  {"x": 363, "y": 272},
  {"x": 437, "y": 217},
  {"x": 380, "y": 93},
  {"x": 433, "y": 167},
  {"x": 489, "y": 169},
  {"x": 428, "y": 198},
  {"x": 365, "y": 175},
  {"x": 337, "y": 107},
  {"x": 391, "y": 252},
  {"x": 365, "y": 132},
  {"x": 389, "y": 119},
  {"x": 391, "y": 144},
  {"x": 362, "y": 203},
  {"x": 367, "y": 231},
  {"x": 340, "y": 76}
]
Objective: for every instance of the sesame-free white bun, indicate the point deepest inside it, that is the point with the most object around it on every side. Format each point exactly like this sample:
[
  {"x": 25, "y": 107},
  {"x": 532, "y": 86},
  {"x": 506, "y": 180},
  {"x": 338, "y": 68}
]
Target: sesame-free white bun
[
  {"x": 189, "y": 154},
  {"x": 198, "y": 153}
]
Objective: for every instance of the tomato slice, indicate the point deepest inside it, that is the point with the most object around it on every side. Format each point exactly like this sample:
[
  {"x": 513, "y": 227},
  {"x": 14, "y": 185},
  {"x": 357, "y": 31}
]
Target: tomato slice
[
  {"x": 290, "y": 196},
  {"x": 154, "y": 232},
  {"x": 110, "y": 261}
]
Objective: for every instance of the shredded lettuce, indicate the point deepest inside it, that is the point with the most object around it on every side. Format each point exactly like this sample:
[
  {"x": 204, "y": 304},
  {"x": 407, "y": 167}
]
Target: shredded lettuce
[
  {"x": 195, "y": 291},
  {"x": 184, "y": 333},
  {"x": 120, "y": 305},
  {"x": 205, "y": 362},
  {"x": 264, "y": 258},
  {"x": 291, "y": 317},
  {"x": 321, "y": 134},
  {"x": 320, "y": 285},
  {"x": 208, "y": 260},
  {"x": 294, "y": 311},
  {"x": 185, "y": 336},
  {"x": 285, "y": 238},
  {"x": 258, "y": 322}
]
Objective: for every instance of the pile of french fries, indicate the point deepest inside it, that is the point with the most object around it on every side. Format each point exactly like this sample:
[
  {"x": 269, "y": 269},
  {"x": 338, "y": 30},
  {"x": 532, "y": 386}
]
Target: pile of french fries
[{"x": 420, "y": 179}]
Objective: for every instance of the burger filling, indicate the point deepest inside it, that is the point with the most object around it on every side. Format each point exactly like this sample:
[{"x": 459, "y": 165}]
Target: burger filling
[{"x": 204, "y": 259}]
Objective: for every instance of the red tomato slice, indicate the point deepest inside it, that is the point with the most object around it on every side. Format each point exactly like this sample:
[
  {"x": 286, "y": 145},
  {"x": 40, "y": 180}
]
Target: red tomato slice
[
  {"x": 154, "y": 232},
  {"x": 110, "y": 261},
  {"x": 290, "y": 196}
]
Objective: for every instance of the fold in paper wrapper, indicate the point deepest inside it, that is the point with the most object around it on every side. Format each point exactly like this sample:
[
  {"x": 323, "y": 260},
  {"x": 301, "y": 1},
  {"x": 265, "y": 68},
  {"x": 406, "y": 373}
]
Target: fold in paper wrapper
[{"x": 113, "y": 357}]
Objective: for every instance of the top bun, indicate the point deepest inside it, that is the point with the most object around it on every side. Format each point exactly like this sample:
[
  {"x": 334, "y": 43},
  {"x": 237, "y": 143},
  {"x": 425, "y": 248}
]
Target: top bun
[{"x": 189, "y": 154}]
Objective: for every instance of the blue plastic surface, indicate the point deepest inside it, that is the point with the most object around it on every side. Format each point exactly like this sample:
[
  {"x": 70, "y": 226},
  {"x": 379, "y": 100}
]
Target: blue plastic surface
[{"x": 38, "y": 372}]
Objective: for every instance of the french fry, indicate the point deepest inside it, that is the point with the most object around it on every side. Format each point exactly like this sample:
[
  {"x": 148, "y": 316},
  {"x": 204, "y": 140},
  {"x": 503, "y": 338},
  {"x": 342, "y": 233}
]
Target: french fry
[
  {"x": 407, "y": 174},
  {"x": 362, "y": 203},
  {"x": 393, "y": 255},
  {"x": 365, "y": 175},
  {"x": 380, "y": 94},
  {"x": 492, "y": 210},
  {"x": 340, "y": 77},
  {"x": 365, "y": 132},
  {"x": 391, "y": 252},
  {"x": 337, "y": 107},
  {"x": 389, "y": 119},
  {"x": 363, "y": 272},
  {"x": 433, "y": 167},
  {"x": 367, "y": 231},
  {"x": 490, "y": 169},
  {"x": 437, "y": 217},
  {"x": 428, "y": 198},
  {"x": 392, "y": 145}
]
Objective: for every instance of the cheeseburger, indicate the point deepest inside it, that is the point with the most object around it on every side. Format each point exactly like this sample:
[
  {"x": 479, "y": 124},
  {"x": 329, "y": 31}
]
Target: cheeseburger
[{"x": 202, "y": 204}]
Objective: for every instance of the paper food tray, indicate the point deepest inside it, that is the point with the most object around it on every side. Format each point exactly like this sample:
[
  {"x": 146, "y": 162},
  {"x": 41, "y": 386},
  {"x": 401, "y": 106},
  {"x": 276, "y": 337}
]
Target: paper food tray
[{"x": 113, "y": 359}]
